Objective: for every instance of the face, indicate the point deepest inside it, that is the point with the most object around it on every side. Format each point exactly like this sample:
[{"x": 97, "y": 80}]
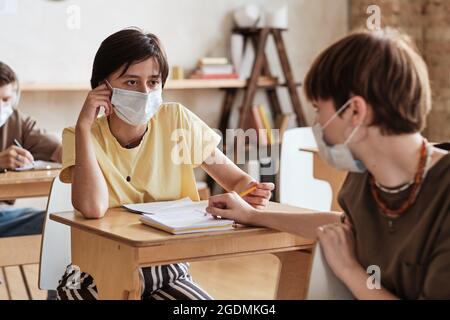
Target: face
[
  {"x": 142, "y": 76},
  {"x": 7, "y": 94},
  {"x": 357, "y": 113}
]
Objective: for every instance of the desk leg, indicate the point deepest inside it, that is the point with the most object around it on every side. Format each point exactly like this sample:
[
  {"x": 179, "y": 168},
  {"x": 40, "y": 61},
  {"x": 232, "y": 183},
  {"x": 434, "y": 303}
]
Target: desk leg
[
  {"x": 113, "y": 265},
  {"x": 294, "y": 275}
]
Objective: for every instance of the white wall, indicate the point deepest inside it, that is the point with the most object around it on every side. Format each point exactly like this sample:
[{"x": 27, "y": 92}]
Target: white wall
[{"x": 41, "y": 48}]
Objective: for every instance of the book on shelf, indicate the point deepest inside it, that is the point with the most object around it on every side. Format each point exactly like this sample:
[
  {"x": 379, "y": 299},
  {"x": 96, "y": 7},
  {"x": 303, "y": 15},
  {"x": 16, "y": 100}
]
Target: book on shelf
[
  {"x": 179, "y": 216},
  {"x": 212, "y": 61},
  {"x": 216, "y": 69},
  {"x": 198, "y": 75},
  {"x": 258, "y": 125},
  {"x": 266, "y": 123}
]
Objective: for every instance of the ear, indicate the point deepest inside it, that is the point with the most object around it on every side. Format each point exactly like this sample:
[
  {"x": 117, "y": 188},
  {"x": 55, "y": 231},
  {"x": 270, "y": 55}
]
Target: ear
[{"x": 360, "y": 111}]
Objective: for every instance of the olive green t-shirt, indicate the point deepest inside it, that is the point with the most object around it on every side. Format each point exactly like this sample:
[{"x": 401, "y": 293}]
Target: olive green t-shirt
[{"x": 412, "y": 251}]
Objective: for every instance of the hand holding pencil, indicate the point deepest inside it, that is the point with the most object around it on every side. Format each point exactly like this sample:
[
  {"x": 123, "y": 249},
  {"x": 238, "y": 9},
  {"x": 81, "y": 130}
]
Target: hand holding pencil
[
  {"x": 258, "y": 194},
  {"x": 239, "y": 207},
  {"x": 14, "y": 157},
  {"x": 230, "y": 206}
]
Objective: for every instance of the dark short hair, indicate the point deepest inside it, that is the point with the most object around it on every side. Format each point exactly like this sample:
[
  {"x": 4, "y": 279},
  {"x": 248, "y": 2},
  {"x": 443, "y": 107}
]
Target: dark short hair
[
  {"x": 384, "y": 68},
  {"x": 125, "y": 48},
  {"x": 7, "y": 75}
]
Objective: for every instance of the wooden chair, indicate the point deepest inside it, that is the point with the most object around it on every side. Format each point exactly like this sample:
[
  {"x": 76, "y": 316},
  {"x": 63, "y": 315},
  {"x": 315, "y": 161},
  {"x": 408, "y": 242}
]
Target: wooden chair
[{"x": 16, "y": 256}]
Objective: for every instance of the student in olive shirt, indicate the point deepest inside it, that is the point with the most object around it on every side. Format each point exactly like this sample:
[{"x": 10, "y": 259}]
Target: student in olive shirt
[
  {"x": 372, "y": 95},
  {"x": 37, "y": 145}
]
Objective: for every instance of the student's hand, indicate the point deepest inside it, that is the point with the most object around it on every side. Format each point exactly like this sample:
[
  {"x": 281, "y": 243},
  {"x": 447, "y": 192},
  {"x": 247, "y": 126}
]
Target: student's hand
[
  {"x": 97, "y": 98},
  {"x": 338, "y": 245},
  {"x": 230, "y": 206},
  {"x": 15, "y": 157},
  {"x": 260, "y": 197}
]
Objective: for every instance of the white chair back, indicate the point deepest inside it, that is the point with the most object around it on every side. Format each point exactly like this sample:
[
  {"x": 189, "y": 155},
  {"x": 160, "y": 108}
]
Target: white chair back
[
  {"x": 56, "y": 242},
  {"x": 323, "y": 283},
  {"x": 297, "y": 185}
]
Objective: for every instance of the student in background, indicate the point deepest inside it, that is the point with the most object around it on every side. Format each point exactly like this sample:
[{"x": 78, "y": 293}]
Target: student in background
[
  {"x": 142, "y": 150},
  {"x": 35, "y": 144},
  {"x": 372, "y": 95}
]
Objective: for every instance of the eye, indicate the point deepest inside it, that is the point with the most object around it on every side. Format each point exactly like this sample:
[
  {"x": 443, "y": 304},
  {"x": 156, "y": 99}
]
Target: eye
[
  {"x": 132, "y": 83},
  {"x": 153, "y": 83}
]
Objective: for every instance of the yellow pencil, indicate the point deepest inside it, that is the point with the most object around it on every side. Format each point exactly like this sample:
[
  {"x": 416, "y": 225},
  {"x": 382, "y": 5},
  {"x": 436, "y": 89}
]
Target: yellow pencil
[{"x": 247, "y": 192}]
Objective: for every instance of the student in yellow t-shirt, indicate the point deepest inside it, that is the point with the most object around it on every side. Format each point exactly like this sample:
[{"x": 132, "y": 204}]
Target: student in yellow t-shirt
[{"x": 142, "y": 150}]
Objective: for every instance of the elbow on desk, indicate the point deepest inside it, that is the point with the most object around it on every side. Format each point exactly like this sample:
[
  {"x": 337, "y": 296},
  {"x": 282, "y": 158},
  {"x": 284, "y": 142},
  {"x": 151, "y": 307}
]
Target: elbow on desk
[{"x": 91, "y": 211}]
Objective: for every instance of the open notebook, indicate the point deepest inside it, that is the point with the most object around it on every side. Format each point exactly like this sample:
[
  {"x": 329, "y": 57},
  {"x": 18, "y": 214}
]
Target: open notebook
[
  {"x": 40, "y": 165},
  {"x": 179, "y": 217}
]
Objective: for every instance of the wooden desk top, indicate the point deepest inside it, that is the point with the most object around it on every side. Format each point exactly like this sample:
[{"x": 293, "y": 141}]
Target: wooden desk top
[
  {"x": 124, "y": 226},
  {"x": 25, "y": 177}
]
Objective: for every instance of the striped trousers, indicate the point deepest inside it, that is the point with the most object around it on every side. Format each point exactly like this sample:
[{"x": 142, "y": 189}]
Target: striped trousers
[{"x": 168, "y": 282}]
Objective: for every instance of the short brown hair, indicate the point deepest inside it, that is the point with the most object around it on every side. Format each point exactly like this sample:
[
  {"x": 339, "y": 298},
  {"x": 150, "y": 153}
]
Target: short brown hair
[
  {"x": 7, "y": 75},
  {"x": 383, "y": 67},
  {"x": 125, "y": 48}
]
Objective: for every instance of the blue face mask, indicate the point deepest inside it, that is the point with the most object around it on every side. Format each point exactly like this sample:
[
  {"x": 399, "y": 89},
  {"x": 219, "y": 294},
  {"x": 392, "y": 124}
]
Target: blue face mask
[{"x": 338, "y": 156}]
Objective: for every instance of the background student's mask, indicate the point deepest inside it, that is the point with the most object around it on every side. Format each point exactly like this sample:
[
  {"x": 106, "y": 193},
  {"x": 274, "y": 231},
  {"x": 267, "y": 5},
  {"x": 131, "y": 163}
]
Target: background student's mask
[
  {"x": 7, "y": 108},
  {"x": 135, "y": 108},
  {"x": 338, "y": 156}
]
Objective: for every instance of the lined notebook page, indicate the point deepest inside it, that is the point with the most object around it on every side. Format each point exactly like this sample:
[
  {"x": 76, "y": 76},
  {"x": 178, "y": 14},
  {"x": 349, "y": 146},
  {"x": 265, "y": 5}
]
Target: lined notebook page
[{"x": 155, "y": 207}]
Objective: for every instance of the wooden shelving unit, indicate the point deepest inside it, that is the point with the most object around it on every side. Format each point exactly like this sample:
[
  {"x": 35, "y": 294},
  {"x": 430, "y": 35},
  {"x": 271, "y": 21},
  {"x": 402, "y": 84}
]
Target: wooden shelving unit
[{"x": 185, "y": 84}]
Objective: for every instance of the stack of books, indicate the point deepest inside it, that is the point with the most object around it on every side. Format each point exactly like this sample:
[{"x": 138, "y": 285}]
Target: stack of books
[{"x": 214, "y": 68}]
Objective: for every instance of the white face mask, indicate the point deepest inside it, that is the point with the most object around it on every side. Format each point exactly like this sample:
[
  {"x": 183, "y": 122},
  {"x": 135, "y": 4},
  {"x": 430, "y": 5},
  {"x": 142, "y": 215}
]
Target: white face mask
[
  {"x": 338, "y": 156},
  {"x": 6, "y": 109},
  {"x": 135, "y": 108}
]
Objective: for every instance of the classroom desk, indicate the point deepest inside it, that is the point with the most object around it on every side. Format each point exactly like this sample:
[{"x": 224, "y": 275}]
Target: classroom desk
[
  {"x": 26, "y": 184},
  {"x": 323, "y": 171},
  {"x": 112, "y": 249}
]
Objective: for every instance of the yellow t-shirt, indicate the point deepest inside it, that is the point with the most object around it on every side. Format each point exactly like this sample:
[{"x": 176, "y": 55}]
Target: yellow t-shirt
[{"x": 160, "y": 168}]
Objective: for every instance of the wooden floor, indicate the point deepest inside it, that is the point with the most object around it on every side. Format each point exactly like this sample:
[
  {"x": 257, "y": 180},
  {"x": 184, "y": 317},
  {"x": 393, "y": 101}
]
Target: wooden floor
[
  {"x": 246, "y": 278},
  {"x": 20, "y": 283}
]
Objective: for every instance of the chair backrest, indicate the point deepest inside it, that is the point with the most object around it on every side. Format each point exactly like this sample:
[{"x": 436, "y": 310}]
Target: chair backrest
[
  {"x": 55, "y": 247},
  {"x": 297, "y": 185},
  {"x": 323, "y": 283}
]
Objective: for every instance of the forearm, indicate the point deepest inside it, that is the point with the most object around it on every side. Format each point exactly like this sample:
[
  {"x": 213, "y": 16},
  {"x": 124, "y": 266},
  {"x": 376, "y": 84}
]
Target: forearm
[
  {"x": 89, "y": 189},
  {"x": 301, "y": 224},
  {"x": 227, "y": 174},
  {"x": 356, "y": 282}
]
